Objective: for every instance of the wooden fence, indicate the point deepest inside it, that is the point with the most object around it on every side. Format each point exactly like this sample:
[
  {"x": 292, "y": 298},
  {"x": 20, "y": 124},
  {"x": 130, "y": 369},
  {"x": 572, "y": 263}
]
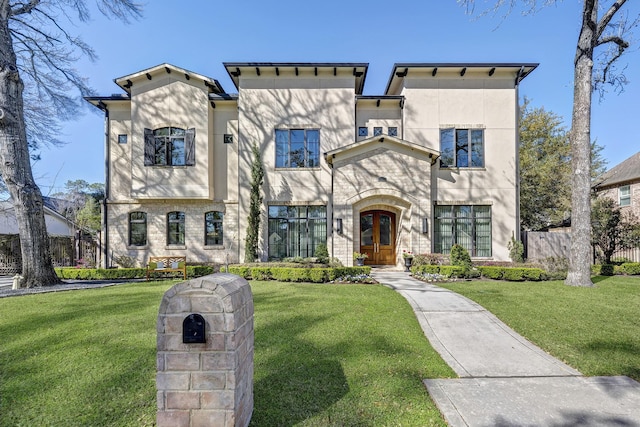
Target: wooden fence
[
  {"x": 541, "y": 244},
  {"x": 65, "y": 251}
]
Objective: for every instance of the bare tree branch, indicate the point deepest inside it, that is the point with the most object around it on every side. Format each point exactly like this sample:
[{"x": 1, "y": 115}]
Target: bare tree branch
[{"x": 24, "y": 8}]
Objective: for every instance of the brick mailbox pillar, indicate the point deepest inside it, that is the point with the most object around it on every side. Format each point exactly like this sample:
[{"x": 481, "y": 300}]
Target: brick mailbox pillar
[{"x": 205, "y": 353}]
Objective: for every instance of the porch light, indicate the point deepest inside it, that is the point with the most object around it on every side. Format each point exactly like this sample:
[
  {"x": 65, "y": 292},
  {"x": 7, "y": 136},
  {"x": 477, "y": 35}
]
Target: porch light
[
  {"x": 425, "y": 225},
  {"x": 339, "y": 225}
]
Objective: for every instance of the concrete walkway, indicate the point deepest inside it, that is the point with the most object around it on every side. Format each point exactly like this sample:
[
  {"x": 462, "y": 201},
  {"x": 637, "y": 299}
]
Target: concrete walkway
[{"x": 504, "y": 379}]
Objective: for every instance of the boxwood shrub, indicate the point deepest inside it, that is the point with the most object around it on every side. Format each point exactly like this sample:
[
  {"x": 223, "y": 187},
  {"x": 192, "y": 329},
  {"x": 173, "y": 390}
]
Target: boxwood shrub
[
  {"x": 630, "y": 268},
  {"x": 72, "y": 273},
  {"x": 296, "y": 274},
  {"x": 492, "y": 272}
]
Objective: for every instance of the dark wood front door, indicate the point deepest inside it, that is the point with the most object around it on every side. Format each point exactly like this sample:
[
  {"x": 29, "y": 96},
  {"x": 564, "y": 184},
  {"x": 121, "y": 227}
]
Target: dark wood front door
[{"x": 377, "y": 237}]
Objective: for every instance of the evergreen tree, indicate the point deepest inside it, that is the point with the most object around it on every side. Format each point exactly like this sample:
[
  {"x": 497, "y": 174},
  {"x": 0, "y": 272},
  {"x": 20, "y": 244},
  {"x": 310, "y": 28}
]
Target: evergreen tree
[{"x": 253, "y": 221}]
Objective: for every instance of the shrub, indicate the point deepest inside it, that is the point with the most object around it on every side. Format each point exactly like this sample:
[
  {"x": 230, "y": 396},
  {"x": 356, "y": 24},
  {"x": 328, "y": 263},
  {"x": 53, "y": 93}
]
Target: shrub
[
  {"x": 322, "y": 253},
  {"x": 297, "y": 274},
  {"x": 425, "y": 269},
  {"x": 460, "y": 256},
  {"x": 630, "y": 268},
  {"x": 125, "y": 261},
  {"x": 261, "y": 273},
  {"x": 492, "y": 272},
  {"x": 516, "y": 250},
  {"x": 427, "y": 259},
  {"x": 603, "y": 269},
  {"x": 453, "y": 271}
]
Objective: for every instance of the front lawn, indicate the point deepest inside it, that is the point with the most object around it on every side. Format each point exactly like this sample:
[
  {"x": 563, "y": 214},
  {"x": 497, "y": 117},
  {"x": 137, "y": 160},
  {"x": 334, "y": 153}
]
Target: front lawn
[
  {"x": 340, "y": 355},
  {"x": 595, "y": 330}
]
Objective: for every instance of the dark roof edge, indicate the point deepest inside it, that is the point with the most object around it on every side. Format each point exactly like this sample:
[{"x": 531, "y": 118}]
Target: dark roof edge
[{"x": 532, "y": 65}]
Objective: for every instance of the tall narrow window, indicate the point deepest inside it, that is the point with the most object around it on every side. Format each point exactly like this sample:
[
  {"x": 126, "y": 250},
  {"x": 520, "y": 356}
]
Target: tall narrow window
[
  {"x": 297, "y": 148},
  {"x": 461, "y": 148},
  {"x": 175, "y": 228},
  {"x": 169, "y": 146},
  {"x": 137, "y": 229},
  {"x": 213, "y": 228},
  {"x": 468, "y": 226},
  {"x": 296, "y": 231},
  {"x": 625, "y": 195}
]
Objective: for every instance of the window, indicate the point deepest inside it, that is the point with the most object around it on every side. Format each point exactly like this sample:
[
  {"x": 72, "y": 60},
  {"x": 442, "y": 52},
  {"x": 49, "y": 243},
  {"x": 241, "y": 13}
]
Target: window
[
  {"x": 462, "y": 148},
  {"x": 175, "y": 228},
  {"x": 296, "y": 231},
  {"x": 213, "y": 228},
  {"x": 228, "y": 138},
  {"x": 169, "y": 146},
  {"x": 137, "y": 229},
  {"x": 122, "y": 139},
  {"x": 297, "y": 148},
  {"x": 625, "y": 195},
  {"x": 363, "y": 131},
  {"x": 377, "y": 131},
  {"x": 393, "y": 131},
  {"x": 468, "y": 226}
]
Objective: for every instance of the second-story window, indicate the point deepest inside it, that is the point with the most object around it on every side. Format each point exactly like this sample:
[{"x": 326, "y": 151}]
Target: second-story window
[
  {"x": 297, "y": 148},
  {"x": 169, "y": 146},
  {"x": 462, "y": 148}
]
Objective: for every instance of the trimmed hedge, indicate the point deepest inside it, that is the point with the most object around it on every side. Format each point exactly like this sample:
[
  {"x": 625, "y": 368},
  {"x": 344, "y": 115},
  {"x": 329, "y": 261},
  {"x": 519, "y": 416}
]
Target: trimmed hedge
[
  {"x": 296, "y": 274},
  {"x": 72, "y": 273},
  {"x": 630, "y": 268},
  {"x": 513, "y": 274}
]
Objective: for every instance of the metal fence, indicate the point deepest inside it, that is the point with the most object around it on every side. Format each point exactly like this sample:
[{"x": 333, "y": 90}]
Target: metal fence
[{"x": 65, "y": 251}]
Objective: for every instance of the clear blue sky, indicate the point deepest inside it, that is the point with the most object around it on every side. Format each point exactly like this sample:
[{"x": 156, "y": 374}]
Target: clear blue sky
[{"x": 200, "y": 35}]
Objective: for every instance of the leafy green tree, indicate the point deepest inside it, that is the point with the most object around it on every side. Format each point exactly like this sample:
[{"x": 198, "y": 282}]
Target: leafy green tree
[
  {"x": 253, "y": 221},
  {"x": 545, "y": 167},
  {"x": 599, "y": 33},
  {"x": 82, "y": 203},
  {"x": 611, "y": 230},
  {"x": 37, "y": 56}
]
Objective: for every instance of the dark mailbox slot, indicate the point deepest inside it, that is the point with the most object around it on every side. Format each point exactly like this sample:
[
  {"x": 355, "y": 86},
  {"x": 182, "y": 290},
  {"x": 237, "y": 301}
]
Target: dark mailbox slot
[{"x": 193, "y": 329}]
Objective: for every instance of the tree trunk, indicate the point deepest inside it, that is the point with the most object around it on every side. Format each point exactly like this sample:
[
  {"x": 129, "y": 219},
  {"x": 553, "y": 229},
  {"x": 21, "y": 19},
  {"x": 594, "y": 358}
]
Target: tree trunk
[
  {"x": 580, "y": 263},
  {"x": 15, "y": 166}
]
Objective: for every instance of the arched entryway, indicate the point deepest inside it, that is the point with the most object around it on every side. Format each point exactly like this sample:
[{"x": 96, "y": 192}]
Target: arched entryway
[{"x": 377, "y": 237}]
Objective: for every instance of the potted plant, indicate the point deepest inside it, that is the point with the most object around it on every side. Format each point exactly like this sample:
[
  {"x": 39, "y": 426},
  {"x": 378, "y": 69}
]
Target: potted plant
[
  {"x": 408, "y": 259},
  {"x": 359, "y": 258}
]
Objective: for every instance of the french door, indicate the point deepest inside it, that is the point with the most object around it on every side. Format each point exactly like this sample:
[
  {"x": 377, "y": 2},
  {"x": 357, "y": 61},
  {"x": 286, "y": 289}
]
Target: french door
[{"x": 377, "y": 237}]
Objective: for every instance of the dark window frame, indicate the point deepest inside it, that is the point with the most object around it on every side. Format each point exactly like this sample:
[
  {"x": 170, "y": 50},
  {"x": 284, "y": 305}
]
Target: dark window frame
[
  {"x": 176, "y": 228},
  {"x": 461, "y": 225},
  {"x": 307, "y": 153},
  {"x": 169, "y": 146},
  {"x": 461, "y": 148},
  {"x": 139, "y": 218},
  {"x": 213, "y": 228},
  {"x": 296, "y": 231}
]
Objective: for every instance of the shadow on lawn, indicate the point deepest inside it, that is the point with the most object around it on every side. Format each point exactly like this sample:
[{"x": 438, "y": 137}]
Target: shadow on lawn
[{"x": 300, "y": 380}]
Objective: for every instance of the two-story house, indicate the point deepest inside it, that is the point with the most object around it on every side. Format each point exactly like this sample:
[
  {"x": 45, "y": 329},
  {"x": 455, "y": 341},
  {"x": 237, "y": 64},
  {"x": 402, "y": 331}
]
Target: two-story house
[{"x": 431, "y": 162}]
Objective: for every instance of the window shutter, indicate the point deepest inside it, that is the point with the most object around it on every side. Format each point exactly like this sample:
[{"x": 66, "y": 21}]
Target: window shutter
[
  {"x": 149, "y": 147},
  {"x": 190, "y": 147}
]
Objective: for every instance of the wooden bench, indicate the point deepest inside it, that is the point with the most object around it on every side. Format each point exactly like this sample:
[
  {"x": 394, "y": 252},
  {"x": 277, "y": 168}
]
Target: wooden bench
[{"x": 167, "y": 264}]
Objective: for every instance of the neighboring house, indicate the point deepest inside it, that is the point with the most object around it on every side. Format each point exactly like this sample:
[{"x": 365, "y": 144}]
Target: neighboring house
[
  {"x": 622, "y": 184},
  {"x": 429, "y": 163},
  {"x": 57, "y": 225}
]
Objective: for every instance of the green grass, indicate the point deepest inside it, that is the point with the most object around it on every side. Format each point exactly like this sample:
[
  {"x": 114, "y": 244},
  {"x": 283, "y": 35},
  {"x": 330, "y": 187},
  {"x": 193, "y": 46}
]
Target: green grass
[
  {"x": 341, "y": 355},
  {"x": 595, "y": 330}
]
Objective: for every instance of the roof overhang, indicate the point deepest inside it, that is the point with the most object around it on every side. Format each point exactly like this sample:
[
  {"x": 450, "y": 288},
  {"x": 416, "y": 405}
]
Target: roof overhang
[
  {"x": 125, "y": 82},
  {"x": 517, "y": 71},
  {"x": 386, "y": 141},
  {"x": 302, "y": 69},
  {"x": 103, "y": 102}
]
